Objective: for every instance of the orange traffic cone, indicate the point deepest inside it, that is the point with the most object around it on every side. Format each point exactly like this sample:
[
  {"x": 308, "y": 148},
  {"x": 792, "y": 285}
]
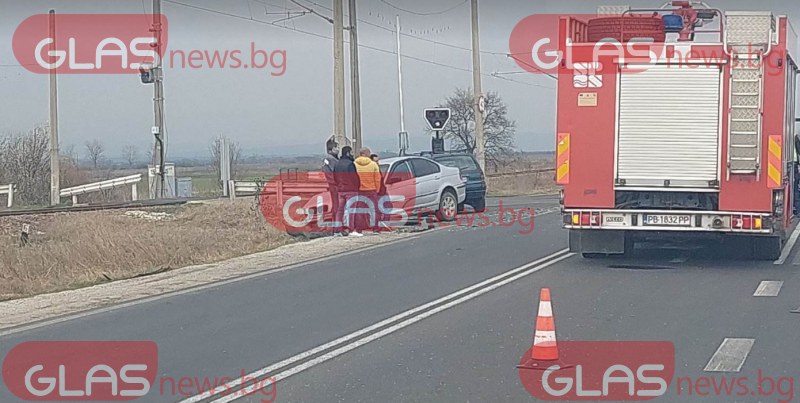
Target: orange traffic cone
[
  {"x": 544, "y": 353},
  {"x": 545, "y": 347}
]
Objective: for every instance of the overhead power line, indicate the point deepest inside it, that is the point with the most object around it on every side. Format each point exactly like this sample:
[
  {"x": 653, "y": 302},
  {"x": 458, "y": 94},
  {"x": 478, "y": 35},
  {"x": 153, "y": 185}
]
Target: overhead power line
[
  {"x": 363, "y": 46},
  {"x": 422, "y": 13},
  {"x": 449, "y": 45}
]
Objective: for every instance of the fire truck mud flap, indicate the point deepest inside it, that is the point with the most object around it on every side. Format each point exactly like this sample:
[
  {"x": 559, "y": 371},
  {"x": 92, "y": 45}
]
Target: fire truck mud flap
[
  {"x": 759, "y": 247},
  {"x": 594, "y": 243}
]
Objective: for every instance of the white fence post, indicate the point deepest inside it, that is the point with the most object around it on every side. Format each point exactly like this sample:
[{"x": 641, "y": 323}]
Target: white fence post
[
  {"x": 8, "y": 190},
  {"x": 134, "y": 192},
  {"x": 232, "y": 189}
]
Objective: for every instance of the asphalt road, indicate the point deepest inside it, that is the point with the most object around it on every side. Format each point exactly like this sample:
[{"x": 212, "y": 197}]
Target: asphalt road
[{"x": 446, "y": 317}]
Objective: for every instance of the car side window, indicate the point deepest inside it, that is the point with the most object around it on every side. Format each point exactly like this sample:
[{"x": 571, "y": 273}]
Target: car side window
[
  {"x": 401, "y": 172},
  {"x": 424, "y": 168}
]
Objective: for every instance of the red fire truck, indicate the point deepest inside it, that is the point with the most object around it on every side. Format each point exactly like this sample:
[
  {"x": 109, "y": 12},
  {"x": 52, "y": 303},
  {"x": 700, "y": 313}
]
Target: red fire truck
[{"x": 680, "y": 121}]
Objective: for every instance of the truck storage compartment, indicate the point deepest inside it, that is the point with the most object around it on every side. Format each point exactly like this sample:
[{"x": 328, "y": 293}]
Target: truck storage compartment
[{"x": 669, "y": 127}]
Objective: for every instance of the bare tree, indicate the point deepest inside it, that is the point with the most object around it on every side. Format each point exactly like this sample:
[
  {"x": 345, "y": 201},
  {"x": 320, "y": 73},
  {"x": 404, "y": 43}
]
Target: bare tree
[
  {"x": 216, "y": 154},
  {"x": 94, "y": 151},
  {"x": 498, "y": 128},
  {"x": 25, "y": 161},
  {"x": 130, "y": 154},
  {"x": 69, "y": 153}
]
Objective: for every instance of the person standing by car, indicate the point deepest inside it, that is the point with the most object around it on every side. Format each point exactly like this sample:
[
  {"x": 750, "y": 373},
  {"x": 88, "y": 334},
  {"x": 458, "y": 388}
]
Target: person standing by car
[
  {"x": 328, "y": 166},
  {"x": 382, "y": 193},
  {"x": 369, "y": 174},
  {"x": 347, "y": 184}
]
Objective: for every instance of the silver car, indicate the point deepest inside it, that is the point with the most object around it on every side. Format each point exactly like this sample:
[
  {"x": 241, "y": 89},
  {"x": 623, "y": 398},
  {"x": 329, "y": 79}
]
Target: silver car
[{"x": 436, "y": 188}]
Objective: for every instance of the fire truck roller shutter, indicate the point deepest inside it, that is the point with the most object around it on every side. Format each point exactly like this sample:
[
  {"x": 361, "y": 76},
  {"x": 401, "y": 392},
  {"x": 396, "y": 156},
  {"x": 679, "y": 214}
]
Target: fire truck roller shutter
[{"x": 669, "y": 127}]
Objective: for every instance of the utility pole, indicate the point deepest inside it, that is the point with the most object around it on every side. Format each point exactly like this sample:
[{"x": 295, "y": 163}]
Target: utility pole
[
  {"x": 158, "y": 103},
  {"x": 403, "y": 133},
  {"x": 355, "y": 78},
  {"x": 55, "y": 170},
  {"x": 479, "y": 102},
  {"x": 338, "y": 73}
]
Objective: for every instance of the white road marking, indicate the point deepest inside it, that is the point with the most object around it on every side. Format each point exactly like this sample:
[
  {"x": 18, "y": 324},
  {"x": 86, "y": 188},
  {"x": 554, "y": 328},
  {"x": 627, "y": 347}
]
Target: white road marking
[
  {"x": 768, "y": 289},
  {"x": 405, "y": 319},
  {"x": 730, "y": 355},
  {"x": 787, "y": 249}
]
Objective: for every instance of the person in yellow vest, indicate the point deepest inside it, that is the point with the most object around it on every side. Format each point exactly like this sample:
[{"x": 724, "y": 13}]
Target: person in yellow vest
[{"x": 369, "y": 174}]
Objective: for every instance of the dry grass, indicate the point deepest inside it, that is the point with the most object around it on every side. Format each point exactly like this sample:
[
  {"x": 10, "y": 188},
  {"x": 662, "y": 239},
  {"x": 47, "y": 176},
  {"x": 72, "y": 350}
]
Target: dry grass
[
  {"x": 68, "y": 251},
  {"x": 526, "y": 184}
]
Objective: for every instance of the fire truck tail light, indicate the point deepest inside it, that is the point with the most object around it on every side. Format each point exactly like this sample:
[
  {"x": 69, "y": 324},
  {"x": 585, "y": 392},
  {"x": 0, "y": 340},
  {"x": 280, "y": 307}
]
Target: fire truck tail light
[
  {"x": 586, "y": 219},
  {"x": 747, "y": 222}
]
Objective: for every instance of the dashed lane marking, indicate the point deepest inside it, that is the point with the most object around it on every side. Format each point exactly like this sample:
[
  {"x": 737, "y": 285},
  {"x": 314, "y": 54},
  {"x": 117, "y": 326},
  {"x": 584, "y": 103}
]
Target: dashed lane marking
[
  {"x": 730, "y": 355},
  {"x": 768, "y": 289}
]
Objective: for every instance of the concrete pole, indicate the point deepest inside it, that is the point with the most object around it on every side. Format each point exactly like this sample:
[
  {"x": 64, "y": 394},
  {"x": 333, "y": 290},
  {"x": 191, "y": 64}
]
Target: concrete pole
[
  {"x": 480, "y": 141},
  {"x": 158, "y": 103},
  {"x": 400, "y": 79},
  {"x": 355, "y": 78},
  {"x": 55, "y": 169},
  {"x": 338, "y": 74}
]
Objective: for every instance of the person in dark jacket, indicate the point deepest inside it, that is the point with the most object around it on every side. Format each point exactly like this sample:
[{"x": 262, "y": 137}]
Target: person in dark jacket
[
  {"x": 328, "y": 166},
  {"x": 347, "y": 184}
]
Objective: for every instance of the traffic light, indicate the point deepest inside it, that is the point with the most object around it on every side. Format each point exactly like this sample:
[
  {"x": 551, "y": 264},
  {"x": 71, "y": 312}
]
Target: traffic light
[{"x": 437, "y": 118}]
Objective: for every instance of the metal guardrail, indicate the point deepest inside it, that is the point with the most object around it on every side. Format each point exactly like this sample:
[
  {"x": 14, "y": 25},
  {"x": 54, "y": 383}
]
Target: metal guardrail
[
  {"x": 9, "y": 191},
  {"x": 76, "y": 191},
  {"x": 242, "y": 189},
  {"x": 520, "y": 173},
  {"x": 289, "y": 182}
]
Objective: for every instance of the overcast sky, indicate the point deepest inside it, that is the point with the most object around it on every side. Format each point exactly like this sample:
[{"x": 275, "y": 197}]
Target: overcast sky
[{"x": 292, "y": 113}]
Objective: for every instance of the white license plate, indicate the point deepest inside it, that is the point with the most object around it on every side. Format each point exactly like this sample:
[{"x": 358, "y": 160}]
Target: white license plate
[{"x": 670, "y": 220}]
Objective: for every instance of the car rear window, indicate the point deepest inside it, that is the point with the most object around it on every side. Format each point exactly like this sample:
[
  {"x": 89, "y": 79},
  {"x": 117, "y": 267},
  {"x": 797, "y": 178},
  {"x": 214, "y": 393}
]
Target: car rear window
[{"x": 462, "y": 162}]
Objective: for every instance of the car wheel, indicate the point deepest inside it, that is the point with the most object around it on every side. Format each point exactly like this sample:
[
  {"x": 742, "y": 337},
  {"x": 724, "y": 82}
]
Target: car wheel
[
  {"x": 448, "y": 207},
  {"x": 479, "y": 205}
]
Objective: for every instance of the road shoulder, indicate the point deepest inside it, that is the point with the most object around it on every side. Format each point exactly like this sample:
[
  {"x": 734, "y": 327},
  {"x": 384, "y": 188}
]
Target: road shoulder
[{"x": 16, "y": 314}]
